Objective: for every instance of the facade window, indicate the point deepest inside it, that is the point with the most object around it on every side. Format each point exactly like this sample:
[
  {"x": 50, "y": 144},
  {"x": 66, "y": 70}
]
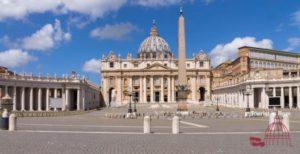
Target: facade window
[
  {"x": 136, "y": 65},
  {"x": 154, "y": 55},
  {"x": 201, "y": 63},
  {"x": 188, "y": 65},
  {"x": 111, "y": 64},
  {"x": 125, "y": 65},
  {"x": 148, "y": 65}
]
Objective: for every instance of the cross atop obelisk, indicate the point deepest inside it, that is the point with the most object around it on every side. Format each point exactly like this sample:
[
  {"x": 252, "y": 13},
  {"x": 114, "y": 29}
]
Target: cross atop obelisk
[{"x": 182, "y": 80}]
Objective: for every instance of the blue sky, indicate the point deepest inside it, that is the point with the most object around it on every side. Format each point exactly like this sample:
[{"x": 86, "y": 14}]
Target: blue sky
[{"x": 58, "y": 36}]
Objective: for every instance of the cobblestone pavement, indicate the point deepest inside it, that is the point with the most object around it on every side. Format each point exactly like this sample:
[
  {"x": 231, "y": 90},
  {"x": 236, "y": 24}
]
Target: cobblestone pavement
[
  {"x": 93, "y": 133},
  {"x": 69, "y": 143}
]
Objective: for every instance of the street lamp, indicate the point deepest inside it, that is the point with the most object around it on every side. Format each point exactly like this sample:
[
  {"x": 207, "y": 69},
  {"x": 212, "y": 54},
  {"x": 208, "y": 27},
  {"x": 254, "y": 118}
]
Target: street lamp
[
  {"x": 128, "y": 93},
  {"x": 247, "y": 92},
  {"x": 217, "y": 109},
  {"x": 135, "y": 100}
]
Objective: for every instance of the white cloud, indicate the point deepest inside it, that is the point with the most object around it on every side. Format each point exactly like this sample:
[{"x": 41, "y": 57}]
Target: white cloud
[
  {"x": 223, "y": 52},
  {"x": 158, "y": 3},
  {"x": 114, "y": 32},
  {"x": 15, "y": 58},
  {"x": 296, "y": 18},
  {"x": 18, "y": 9},
  {"x": 92, "y": 66},
  {"x": 207, "y": 2},
  {"x": 294, "y": 43},
  {"x": 155, "y": 3},
  {"x": 49, "y": 36}
]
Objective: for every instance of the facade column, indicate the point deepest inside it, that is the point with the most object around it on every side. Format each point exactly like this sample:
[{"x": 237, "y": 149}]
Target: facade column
[
  {"x": 14, "y": 98},
  {"x": 47, "y": 99},
  {"x": 67, "y": 105},
  {"x": 78, "y": 99},
  {"x": 290, "y": 97},
  {"x": 6, "y": 90},
  {"x": 263, "y": 98},
  {"x": 151, "y": 89},
  {"x": 173, "y": 99},
  {"x": 104, "y": 92},
  {"x": 145, "y": 89},
  {"x": 22, "y": 99},
  {"x": 282, "y": 97},
  {"x": 162, "y": 89},
  {"x": 31, "y": 99},
  {"x": 298, "y": 97},
  {"x": 194, "y": 85},
  {"x": 119, "y": 91},
  {"x": 169, "y": 89},
  {"x": 274, "y": 91},
  {"x": 39, "y": 99},
  {"x": 141, "y": 89}
]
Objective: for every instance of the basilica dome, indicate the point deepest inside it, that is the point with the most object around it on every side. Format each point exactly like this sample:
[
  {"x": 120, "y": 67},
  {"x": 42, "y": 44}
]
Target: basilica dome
[{"x": 154, "y": 46}]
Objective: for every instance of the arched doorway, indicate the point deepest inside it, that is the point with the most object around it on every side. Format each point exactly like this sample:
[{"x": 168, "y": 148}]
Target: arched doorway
[
  {"x": 202, "y": 94},
  {"x": 111, "y": 94}
]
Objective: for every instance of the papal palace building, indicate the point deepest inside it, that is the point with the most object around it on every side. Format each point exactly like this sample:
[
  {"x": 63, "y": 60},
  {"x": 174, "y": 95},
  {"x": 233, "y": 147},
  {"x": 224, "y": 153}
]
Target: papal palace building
[
  {"x": 37, "y": 93},
  {"x": 272, "y": 77}
]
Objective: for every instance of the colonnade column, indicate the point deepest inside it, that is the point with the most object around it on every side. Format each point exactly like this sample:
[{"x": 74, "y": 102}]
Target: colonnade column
[
  {"x": 169, "y": 89},
  {"x": 173, "y": 89},
  {"x": 15, "y": 98},
  {"x": 298, "y": 96},
  {"x": 55, "y": 96},
  {"x": 31, "y": 99},
  {"x": 162, "y": 89},
  {"x": 67, "y": 106},
  {"x": 47, "y": 99},
  {"x": 290, "y": 97},
  {"x": 282, "y": 97},
  {"x": 39, "y": 99},
  {"x": 1, "y": 94},
  {"x": 145, "y": 89},
  {"x": 63, "y": 92},
  {"x": 83, "y": 99},
  {"x": 141, "y": 90},
  {"x": 22, "y": 99},
  {"x": 78, "y": 99},
  {"x": 151, "y": 89}
]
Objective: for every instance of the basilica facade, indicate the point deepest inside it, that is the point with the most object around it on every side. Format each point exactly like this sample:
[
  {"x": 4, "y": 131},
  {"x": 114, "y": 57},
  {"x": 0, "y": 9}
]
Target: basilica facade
[{"x": 152, "y": 76}]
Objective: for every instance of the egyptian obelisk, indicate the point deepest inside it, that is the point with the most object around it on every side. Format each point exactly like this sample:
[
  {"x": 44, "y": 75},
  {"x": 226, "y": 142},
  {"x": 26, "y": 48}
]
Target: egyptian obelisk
[
  {"x": 182, "y": 79},
  {"x": 181, "y": 50}
]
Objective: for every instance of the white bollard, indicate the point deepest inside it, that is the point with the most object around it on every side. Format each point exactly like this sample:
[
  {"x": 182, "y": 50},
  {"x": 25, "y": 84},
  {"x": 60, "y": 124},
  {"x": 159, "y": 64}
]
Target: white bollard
[
  {"x": 12, "y": 122},
  {"x": 272, "y": 117},
  {"x": 147, "y": 125},
  {"x": 175, "y": 125},
  {"x": 286, "y": 121}
]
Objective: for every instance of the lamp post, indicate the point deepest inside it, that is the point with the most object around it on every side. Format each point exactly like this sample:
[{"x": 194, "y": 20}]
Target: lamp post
[
  {"x": 247, "y": 92},
  {"x": 127, "y": 93},
  {"x": 134, "y": 104},
  {"x": 217, "y": 109}
]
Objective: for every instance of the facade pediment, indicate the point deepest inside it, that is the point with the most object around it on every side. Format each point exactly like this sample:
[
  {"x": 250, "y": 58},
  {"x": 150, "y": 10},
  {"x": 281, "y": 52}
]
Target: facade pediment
[{"x": 157, "y": 66}]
